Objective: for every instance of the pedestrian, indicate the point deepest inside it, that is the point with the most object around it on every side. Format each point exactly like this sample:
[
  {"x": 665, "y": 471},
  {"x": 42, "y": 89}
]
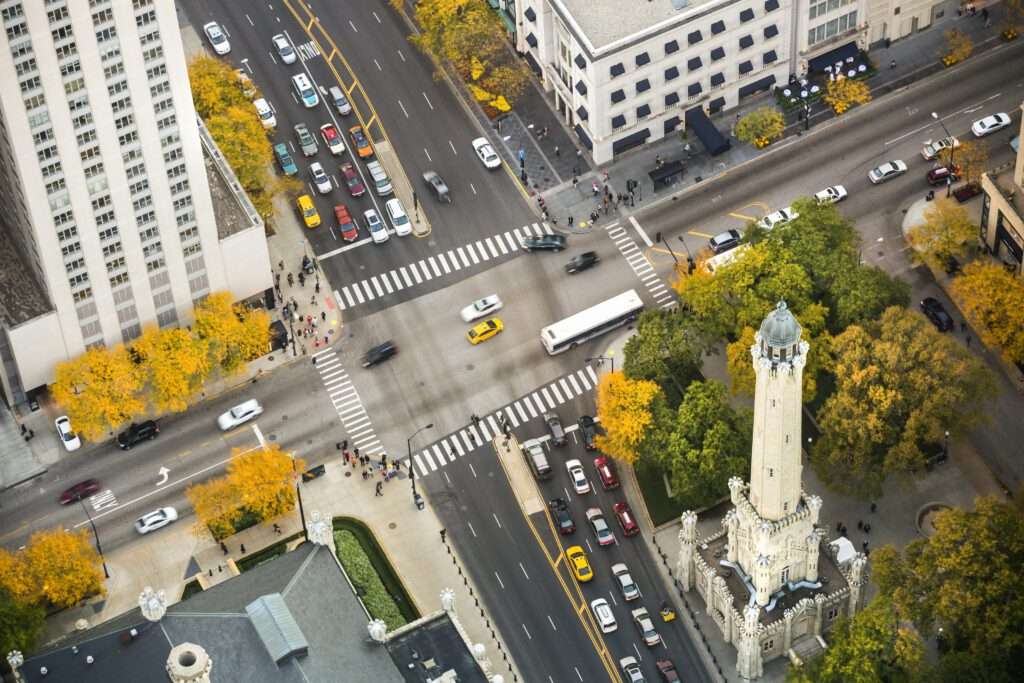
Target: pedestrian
[
  {"x": 357, "y": 451},
  {"x": 595, "y": 188},
  {"x": 277, "y": 279},
  {"x": 892, "y": 64},
  {"x": 383, "y": 459},
  {"x": 224, "y": 547},
  {"x": 860, "y": 525},
  {"x": 968, "y": 341},
  {"x": 570, "y": 219},
  {"x": 963, "y": 326},
  {"x": 302, "y": 280},
  {"x": 474, "y": 418},
  {"x": 318, "y": 285},
  {"x": 364, "y": 475},
  {"x": 874, "y": 507},
  {"x": 380, "y": 489},
  {"x": 323, "y": 316},
  {"x": 839, "y": 527},
  {"x": 545, "y": 131},
  {"x": 867, "y": 528},
  {"x": 575, "y": 182},
  {"x": 243, "y": 549},
  {"x": 557, "y": 151},
  {"x": 280, "y": 265},
  {"x": 291, "y": 279},
  {"x": 277, "y": 529}
]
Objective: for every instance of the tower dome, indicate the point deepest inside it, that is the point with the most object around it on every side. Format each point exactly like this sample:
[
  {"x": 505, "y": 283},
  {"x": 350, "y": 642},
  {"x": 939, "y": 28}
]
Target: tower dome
[{"x": 779, "y": 336}]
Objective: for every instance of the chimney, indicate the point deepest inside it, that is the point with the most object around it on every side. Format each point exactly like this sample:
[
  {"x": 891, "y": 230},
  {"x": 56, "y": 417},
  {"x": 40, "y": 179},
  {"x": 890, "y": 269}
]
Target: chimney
[{"x": 189, "y": 663}]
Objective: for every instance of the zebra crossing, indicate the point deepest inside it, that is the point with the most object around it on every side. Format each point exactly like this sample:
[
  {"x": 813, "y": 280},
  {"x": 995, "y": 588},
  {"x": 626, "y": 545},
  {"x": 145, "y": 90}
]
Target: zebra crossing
[
  {"x": 641, "y": 266},
  {"x": 471, "y": 437},
  {"x": 307, "y": 50},
  {"x": 438, "y": 265},
  {"x": 347, "y": 403}
]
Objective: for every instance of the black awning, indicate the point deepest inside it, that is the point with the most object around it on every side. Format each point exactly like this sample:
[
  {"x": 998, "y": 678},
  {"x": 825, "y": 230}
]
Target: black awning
[
  {"x": 693, "y": 90},
  {"x": 643, "y": 110},
  {"x": 580, "y": 62},
  {"x": 694, "y": 37},
  {"x": 630, "y": 141},
  {"x": 618, "y": 121},
  {"x": 534, "y": 64},
  {"x": 671, "y": 124},
  {"x": 617, "y": 70},
  {"x": 746, "y": 67},
  {"x": 693, "y": 64},
  {"x": 746, "y": 41},
  {"x": 717, "y": 80},
  {"x": 666, "y": 172},
  {"x": 841, "y": 53},
  {"x": 618, "y": 96},
  {"x": 671, "y": 46},
  {"x": 770, "y": 31},
  {"x": 746, "y": 15},
  {"x": 770, "y": 57},
  {"x": 717, "y": 53},
  {"x": 581, "y": 112},
  {"x": 531, "y": 39},
  {"x": 714, "y": 142},
  {"x": 771, "y": 5},
  {"x": 581, "y": 87},
  {"x": 584, "y": 138},
  {"x": 757, "y": 86},
  {"x": 671, "y": 73},
  {"x": 716, "y": 105},
  {"x": 643, "y": 58},
  {"x": 717, "y": 27},
  {"x": 671, "y": 98},
  {"x": 643, "y": 85},
  {"x": 530, "y": 14}
]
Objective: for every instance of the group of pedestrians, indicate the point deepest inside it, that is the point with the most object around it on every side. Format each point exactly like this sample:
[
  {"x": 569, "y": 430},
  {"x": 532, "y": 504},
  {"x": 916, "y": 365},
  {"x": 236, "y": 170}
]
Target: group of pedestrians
[{"x": 370, "y": 470}]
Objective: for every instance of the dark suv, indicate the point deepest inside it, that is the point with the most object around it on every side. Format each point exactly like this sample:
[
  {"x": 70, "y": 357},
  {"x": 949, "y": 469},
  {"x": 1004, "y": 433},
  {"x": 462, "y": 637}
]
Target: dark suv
[
  {"x": 563, "y": 519},
  {"x": 379, "y": 353},
  {"x": 136, "y": 432},
  {"x": 936, "y": 312},
  {"x": 544, "y": 243}
]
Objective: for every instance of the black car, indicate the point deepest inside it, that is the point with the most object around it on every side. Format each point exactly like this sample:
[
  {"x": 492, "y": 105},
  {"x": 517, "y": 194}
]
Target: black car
[
  {"x": 563, "y": 520},
  {"x": 724, "y": 241},
  {"x": 136, "y": 432},
  {"x": 588, "y": 430},
  {"x": 934, "y": 310},
  {"x": 587, "y": 259},
  {"x": 379, "y": 353},
  {"x": 544, "y": 243}
]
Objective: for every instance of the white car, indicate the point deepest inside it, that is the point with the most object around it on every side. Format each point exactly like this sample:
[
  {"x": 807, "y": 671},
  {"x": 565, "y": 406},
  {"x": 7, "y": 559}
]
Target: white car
[
  {"x": 605, "y": 536},
  {"x": 990, "y": 124},
  {"x": 603, "y": 615},
  {"x": 321, "y": 180},
  {"x": 157, "y": 519},
  {"x": 67, "y": 435},
  {"x": 240, "y": 414},
  {"x": 631, "y": 668},
  {"x": 332, "y": 138},
  {"x": 933, "y": 148},
  {"x": 266, "y": 113},
  {"x": 486, "y": 153},
  {"x": 378, "y": 231},
  {"x": 284, "y": 49},
  {"x": 625, "y": 582},
  {"x": 398, "y": 217},
  {"x": 217, "y": 38},
  {"x": 780, "y": 217},
  {"x": 578, "y": 476},
  {"x": 887, "y": 171},
  {"x": 831, "y": 195},
  {"x": 645, "y": 625},
  {"x": 481, "y": 308}
]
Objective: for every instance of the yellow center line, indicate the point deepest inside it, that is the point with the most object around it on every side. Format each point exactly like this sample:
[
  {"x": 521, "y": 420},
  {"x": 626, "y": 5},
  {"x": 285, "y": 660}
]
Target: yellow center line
[
  {"x": 743, "y": 217},
  {"x": 699, "y": 234},
  {"x": 184, "y": 454}
]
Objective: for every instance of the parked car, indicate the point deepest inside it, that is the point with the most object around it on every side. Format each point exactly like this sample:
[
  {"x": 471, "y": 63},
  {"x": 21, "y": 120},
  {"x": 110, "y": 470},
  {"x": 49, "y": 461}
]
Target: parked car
[
  {"x": 588, "y": 431},
  {"x": 379, "y": 354},
  {"x": 724, "y": 241},
  {"x": 346, "y": 224},
  {"x": 67, "y": 435},
  {"x": 831, "y": 195},
  {"x": 936, "y": 312},
  {"x": 240, "y": 414},
  {"x": 265, "y": 112},
  {"x": 218, "y": 39},
  {"x": 990, "y": 124},
  {"x": 555, "y": 429},
  {"x": 563, "y": 518},
  {"x": 603, "y": 615},
  {"x": 284, "y": 49},
  {"x": 438, "y": 186},
  {"x": 584, "y": 261},
  {"x": 579, "y": 564},
  {"x": 627, "y": 521},
  {"x": 624, "y": 580},
  {"x": 483, "y": 331},
  {"x": 481, "y": 307},
  {"x": 360, "y": 142},
  {"x": 544, "y": 243},
  {"x": 605, "y": 535},
  {"x": 645, "y": 625},
  {"x": 82, "y": 489},
  {"x": 632, "y": 670},
  {"x": 397, "y": 216},
  {"x": 606, "y": 473},
  {"x": 578, "y": 476},
  {"x": 780, "y": 217},
  {"x": 486, "y": 153},
  {"x": 307, "y": 143},
  {"x": 933, "y": 148},
  {"x": 340, "y": 102},
  {"x": 332, "y": 138},
  {"x": 352, "y": 180},
  {"x": 943, "y": 175},
  {"x": 284, "y": 159},
  {"x": 320, "y": 179},
  {"x": 887, "y": 171},
  {"x": 157, "y": 519},
  {"x": 137, "y": 432},
  {"x": 307, "y": 209},
  {"x": 667, "y": 671},
  {"x": 378, "y": 231}
]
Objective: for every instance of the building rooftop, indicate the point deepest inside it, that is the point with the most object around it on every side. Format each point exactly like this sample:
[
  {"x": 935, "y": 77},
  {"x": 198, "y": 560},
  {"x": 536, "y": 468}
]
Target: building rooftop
[
  {"x": 24, "y": 297},
  {"x": 231, "y": 206},
  {"x": 433, "y": 647},
  {"x": 1009, "y": 189}
]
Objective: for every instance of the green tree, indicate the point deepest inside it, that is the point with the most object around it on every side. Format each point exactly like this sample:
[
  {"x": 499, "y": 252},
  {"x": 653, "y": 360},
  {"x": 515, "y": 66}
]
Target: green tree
[
  {"x": 100, "y": 390},
  {"x": 947, "y": 231},
  {"x": 900, "y": 384},
  {"x": 666, "y": 350},
  {"x": 993, "y": 300},
  {"x": 760, "y": 126},
  {"x": 860, "y": 293},
  {"x": 21, "y": 624}
]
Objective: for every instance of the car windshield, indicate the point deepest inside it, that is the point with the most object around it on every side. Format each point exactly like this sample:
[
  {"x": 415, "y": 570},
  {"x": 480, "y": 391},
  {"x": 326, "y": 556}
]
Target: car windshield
[{"x": 482, "y": 304}]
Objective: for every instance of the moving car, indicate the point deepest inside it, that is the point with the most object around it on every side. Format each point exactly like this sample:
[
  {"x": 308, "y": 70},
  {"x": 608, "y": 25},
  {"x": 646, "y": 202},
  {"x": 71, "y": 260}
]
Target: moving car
[
  {"x": 265, "y": 112},
  {"x": 240, "y": 414},
  {"x": 379, "y": 353},
  {"x": 603, "y": 615},
  {"x": 555, "y": 429},
  {"x": 397, "y": 216},
  {"x": 486, "y": 153},
  {"x": 352, "y": 180},
  {"x": 544, "y": 243},
  {"x": 588, "y": 431},
  {"x": 831, "y": 195},
  {"x": 307, "y": 143},
  {"x": 990, "y": 124},
  {"x": 579, "y": 564},
  {"x": 933, "y": 148},
  {"x": 481, "y": 332},
  {"x": 887, "y": 171},
  {"x": 332, "y": 138},
  {"x": 346, "y": 224},
  {"x": 606, "y": 473},
  {"x": 645, "y": 625},
  {"x": 605, "y": 536},
  {"x": 378, "y": 231},
  {"x": 360, "y": 142},
  {"x": 440, "y": 189},
  {"x": 481, "y": 307},
  {"x": 340, "y": 102},
  {"x": 724, "y": 241},
  {"x": 632, "y": 670},
  {"x": 320, "y": 179},
  {"x": 284, "y": 49},
  {"x": 82, "y": 489},
  {"x": 310, "y": 216},
  {"x": 627, "y": 521},
  {"x": 943, "y": 175},
  {"x": 587, "y": 259},
  {"x": 667, "y": 671},
  {"x": 780, "y": 217},
  {"x": 157, "y": 519},
  {"x": 284, "y": 159},
  {"x": 936, "y": 312},
  {"x": 625, "y": 582},
  {"x": 578, "y": 476},
  {"x": 67, "y": 435},
  {"x": 563, "y": 519},
  {"x": 136, "y": 433},
  {"x": 216, "y": 36}
]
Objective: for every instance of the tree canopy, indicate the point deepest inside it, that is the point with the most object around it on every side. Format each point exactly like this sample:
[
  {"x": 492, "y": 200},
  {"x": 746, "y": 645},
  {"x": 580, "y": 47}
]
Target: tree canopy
[
  {"x": 760, "y": 126},
  {"x": 665, "y": 349},
  {"x": 843, "y": 93},
  {"x": 177, "y": 363},
  {"x": 21, "y": 624},
  {"x": 234, "y": 334},
  {"x": 64, "y": 566},
  {"x": 626, "y": 409},
  {"x": 993, "y": 300},
  {"x": 946, "y": 231},
  {"x": 100, "y": 390}
]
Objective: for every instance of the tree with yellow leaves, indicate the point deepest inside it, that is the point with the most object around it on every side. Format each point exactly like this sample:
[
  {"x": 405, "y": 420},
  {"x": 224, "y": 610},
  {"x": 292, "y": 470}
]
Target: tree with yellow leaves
[
  {"x": 265, "y": 480},
  {"x": 843, "y": 93},
  {"x": 626, "y": 411},
  {"x": 100, "y": 390},
  {"x": 214, "y": 86},
  {"x": 993, "y": 300},
  {"x": 760, "y": 126},
  {"x": 64, "y": 566},
  {"x": 234, "y": 334},
  {"x": 959, "y": 47},
  {"x": 217, "y": 505},
  {"x": 15, "y": 578},
  {"x": 242, "y": 139},
  {"x": 971, "y": 157},
  {"x": 947, "y": 231},
  {"x": 178, "y": 363}
]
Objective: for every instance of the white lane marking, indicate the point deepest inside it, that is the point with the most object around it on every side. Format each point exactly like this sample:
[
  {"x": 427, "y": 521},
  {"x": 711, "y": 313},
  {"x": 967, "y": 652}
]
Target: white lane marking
[
  {"x": 472, "y": 470},
  {"x": 528, "y": 636},
  {"x": 553, "y": 627},
  {"x": 249, "y": 19},
  {"x": 403, "y": 108},
  {"x": 472, "y": 188},
  {"x": 496, "y": 520},
  {"x": 524, "y": 571},
  {"x": 640, "y": 231},
  {"x": 471, "y": 529},
  {"x": 452, "y": 145},
  {"x": 427, "y": 153},
  {"x": 353, "y": 26},
  {"x": 498, "y": 577},
  {"x": 428, "y": 101},
  {"x": 401, "y": 56},
  {"x": 376, "y": 17}
]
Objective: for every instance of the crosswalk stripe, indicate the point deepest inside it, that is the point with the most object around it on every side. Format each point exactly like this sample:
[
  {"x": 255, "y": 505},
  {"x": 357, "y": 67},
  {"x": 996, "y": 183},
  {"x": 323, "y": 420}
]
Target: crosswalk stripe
[
  {"x": 493, "y": 424},
  {"x": 366, "y": 290},
  {"x": 519, "y": 235},
  {"x": 462, "y": 256},
  {"x": 547, "y": 397},
  {"x": 358, "y": 292},
  {"x": 342, "y": 413},
  {"x": 472, "y": 254},
  {"x": 358, "y": 422},
  {"x": 484, "y": 256},
  {"x": 444, "y": 263},
  {"x": 565, "y": 388},
  {"x": 519, "y": 409},
  {"x": 396, "y": 280},
  {"x": 593, "y": 375},
  {"x": 419, "y": 465},
  {"x": 491, "y": 247},
  {"x": 458, "y": 446},
  {"x": 355, "y": 434},
  {"x": 415, "y": 273},
  {"x": 334, "y": 374},
  {"x": 422, "y": 263},
  {"x": 375, "y": 450},
  {"x": 575, "y": 386},
  {"x": 433, "y": 265},
  {"x": 616, "y": 233},
  {"x": 337, "y": 383},
  {"x": 439, "y": 454},
  {"x": 430, "y": 460},
  {"x": 475, "y": 434},
  {"x": 405, "y": 276},
  {"x": 548, "y": 229},
  {"x": 534, "y": 399},
  {"x": 376, "y": 285},
  {"x": 511, "y": 416},
  {"x": 348, "y": 296},
  {"x": 512, "y": 244},
  {"x": 557, "y": 393},
  {"x": 465, "y": 439},
  {"x": 387, "y": 284},
  {"x": 583, "y": 379},
  {"x": 324, "y": 364}
]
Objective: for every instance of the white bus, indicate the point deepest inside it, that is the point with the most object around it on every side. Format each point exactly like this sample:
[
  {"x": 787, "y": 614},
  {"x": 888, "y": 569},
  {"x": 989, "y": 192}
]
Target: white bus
[{"x": 596, "y": 320}]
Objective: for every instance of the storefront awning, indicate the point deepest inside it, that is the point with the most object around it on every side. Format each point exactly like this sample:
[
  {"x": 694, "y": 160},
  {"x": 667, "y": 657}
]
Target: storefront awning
[
  {"x": 714, "y": 142},
  {"x": 840, "y": 54},
  {"x": 630, "y": 141},
  {"x": 584, "y": 138},
  {"x": 757, "y": 86}
]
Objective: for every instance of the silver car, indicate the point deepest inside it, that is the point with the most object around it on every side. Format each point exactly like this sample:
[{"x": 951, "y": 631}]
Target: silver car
[
  {"x": 887, "y": 171},
  {"x": 307, "y": 143},
  {"x": 284, "y": 49},
  {"x": 240, "y": 414},
  {"x": 439, "y": 187},
  {"x": 218, "y": 40}
]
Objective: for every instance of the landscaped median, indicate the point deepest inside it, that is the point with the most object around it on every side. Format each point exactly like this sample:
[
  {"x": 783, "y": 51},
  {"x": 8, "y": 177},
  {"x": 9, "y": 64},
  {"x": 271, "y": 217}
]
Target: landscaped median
[{"x": 374, "y": 580}]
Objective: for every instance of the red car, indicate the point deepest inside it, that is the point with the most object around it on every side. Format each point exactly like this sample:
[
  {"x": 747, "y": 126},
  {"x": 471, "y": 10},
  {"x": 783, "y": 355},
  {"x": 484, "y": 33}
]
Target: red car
[
  {"x": 82, "y": 489},
  {"x": 667, "y": 670},
  {"x": 606, "y": 473},
  {"x": 346, "y": 224},
  {"x": 626, "y": 519},
  {"x": 352, "y": 180}
]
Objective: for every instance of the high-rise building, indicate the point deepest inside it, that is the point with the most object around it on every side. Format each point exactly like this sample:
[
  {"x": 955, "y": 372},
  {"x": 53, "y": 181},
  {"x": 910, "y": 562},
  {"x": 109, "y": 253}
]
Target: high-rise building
[{"x": 105, "y": 207}]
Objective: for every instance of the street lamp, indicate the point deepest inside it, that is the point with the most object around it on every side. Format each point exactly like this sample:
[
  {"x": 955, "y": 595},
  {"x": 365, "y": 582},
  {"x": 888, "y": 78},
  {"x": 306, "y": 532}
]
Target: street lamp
[
  {"x": 690, "y": 263},
  {"x": 96, "y": 536},
  {"x": 412, "y": 470},
  {"x": 601, "y": 359},
  {"x": 952, "y": 150},
  {"x": 298, "y": 494}
]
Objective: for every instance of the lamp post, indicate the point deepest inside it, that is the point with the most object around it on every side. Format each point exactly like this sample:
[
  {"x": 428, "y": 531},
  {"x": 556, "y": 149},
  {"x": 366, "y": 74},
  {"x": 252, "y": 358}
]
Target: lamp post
[
  {"x": 298, "y": 494},
  {"x": 659, "y": 238},
  {"x": 602, "y": 358},
  {"x": 408, "y": 447},
  {"x": 96, "y": 536},
  {"x": 952, "y": 150},
  {"x": 690, "y": 263}
]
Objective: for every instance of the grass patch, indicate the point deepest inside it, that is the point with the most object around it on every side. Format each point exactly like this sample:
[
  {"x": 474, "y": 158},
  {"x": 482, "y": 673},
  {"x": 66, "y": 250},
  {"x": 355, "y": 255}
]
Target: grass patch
[
  {"x": 375, "y": 581},
  {"x": 267, "y": 554},
  {"x": 652, "y": 485}
]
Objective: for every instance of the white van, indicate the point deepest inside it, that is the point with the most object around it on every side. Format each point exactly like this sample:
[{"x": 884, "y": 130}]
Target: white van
[
  {"x": 381, "y": 182},
  {"x": 716, "y": 262},
  {"x": 265, "y": 113},
  {"x": 339, "y": 101},
  {"x": 305, "y": 90},
  {"x": 398, "y": 217}
]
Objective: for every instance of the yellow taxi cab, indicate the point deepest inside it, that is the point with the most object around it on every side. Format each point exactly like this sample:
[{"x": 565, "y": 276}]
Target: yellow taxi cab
[
  {"x": 361, "y": 142},
  {"x": 577, "y": 559},
  {"x": 484, "y": 331},
  {"x": 308, "y": 210}
]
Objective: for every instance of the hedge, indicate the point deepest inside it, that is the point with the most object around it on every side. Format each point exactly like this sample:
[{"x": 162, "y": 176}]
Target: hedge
[{"x": 367, "y": 583}]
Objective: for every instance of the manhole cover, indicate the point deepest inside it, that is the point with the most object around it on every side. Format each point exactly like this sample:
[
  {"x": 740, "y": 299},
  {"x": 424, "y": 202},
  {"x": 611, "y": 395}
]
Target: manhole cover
[
  {"x": 348, "y": 474},
  {"x": 392, "y": 526}
]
